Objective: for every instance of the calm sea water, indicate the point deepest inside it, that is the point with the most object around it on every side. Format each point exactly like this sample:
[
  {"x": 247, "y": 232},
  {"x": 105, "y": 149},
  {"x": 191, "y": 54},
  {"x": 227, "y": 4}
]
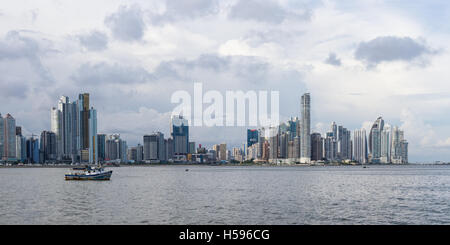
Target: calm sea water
[{"x": 230, "y": 195}]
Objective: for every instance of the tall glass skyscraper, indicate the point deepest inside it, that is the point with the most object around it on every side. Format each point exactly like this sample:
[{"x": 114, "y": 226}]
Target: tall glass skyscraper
[
  {"x": 360, "y": 146},
  {"x": 305, "y": 129},
  {"x": 93, "y": 147}
]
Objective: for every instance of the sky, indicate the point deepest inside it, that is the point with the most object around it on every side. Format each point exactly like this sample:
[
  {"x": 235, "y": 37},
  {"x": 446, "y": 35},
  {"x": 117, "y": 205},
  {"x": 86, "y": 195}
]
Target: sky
[{"x": 358, "y": 59}]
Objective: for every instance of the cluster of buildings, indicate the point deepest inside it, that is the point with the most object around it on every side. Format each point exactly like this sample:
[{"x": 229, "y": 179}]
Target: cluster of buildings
[
  {"x": 293, "y": 142},
  {"x": 73, "y": 138}
]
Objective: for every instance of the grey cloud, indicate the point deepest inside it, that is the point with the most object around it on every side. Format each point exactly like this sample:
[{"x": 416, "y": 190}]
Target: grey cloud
[
  {"x": 10, "y": 89},
  {"x": 192, "y": 8},
  {"x": 127, "y": 23},
  {"x": 248, "y": 69},
  {"x": 266, "y": 11},
  {"x": 103, "y": 74},
  {"x": 333, "y": 60},
  {"x": 177, "y": 10},
  {"x": 391, "y": 48},
  {"x": 18, "y": 46},
  {"x": 94, "y": 41}
]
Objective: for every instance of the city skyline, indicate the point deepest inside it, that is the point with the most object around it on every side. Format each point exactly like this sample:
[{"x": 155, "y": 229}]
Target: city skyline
[
  {"x": 74, "y": 138},
  {"x": 389, "y": 60}
]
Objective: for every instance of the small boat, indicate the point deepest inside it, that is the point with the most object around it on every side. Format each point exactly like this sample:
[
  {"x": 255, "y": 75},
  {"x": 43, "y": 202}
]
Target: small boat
[{"x": 89, "y": 173}]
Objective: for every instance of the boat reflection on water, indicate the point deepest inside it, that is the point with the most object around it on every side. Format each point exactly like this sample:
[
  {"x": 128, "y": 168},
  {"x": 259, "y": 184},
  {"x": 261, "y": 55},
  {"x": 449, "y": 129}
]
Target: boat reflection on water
[{"x": 89, "y": 173}]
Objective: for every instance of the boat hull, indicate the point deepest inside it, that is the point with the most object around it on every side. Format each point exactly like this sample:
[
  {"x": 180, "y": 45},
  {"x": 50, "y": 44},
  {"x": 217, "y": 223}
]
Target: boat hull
[{"x": 100, "y": 176}]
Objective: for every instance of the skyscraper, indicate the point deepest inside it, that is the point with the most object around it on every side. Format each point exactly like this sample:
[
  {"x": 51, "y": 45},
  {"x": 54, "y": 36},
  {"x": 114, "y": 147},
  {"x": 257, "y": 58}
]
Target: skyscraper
[
  {"x": 179, "y": 130},
  {"x": 56, "y": 127},
  {"x": 316, "y": 147},
  {"x": 48, "y": 146},
  {"x": 154, "y": 147},
  {"x": 375, "y": 140},
  {"x": 115, "y": 148},
  {"x": 101, "y": 147},
  {"x": 283, "y": 145},
  {"x": 169, "y": 148},
  {"x": 273, "y": 147},
  {"x": 252, "y": 137},
  {"x": 344, "y": 150},
  {"x": 92, "y": 132},
  {"x": 32, "y": 146},
  {"x": 399, "y": 149},
  {"x": 330, "y": 147},
  {"x": 386, "y": 138},
  {"x": 305, "y": 129},
  {"x": 84, "y": 120},
  {"x": 8, "y": 128},
  {"x": 360, "y": 146},
  {"x": 2, "y": 136}
]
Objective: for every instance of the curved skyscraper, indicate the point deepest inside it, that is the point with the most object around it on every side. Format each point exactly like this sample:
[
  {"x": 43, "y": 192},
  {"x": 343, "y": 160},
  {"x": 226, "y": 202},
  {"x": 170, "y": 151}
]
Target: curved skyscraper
[{"x": 375, "y": 140}]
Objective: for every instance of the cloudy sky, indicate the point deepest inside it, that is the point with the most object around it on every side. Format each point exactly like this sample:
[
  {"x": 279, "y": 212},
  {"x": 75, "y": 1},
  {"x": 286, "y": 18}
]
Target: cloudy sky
[{"x": 358, "y": 59}]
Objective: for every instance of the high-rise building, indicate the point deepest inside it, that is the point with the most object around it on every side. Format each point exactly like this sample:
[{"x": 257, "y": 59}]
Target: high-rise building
[
  {"x": 273, "y": 144},
  {"x": 343, "y": 139},
  {"x": 32, "y": 146},
  {"x": 92, "y": 132},
  {"x": 375, "y": 140},
  {"x": 155, "y": 147},
  {"x": 2, "y": 136},
  {"x": 330, "y": 146},
  {"x": 115, "y": 148},
  {"x": 21, "y": 148},
  {"x": 140, "y": 153},
  {"x": 293, "y": 124},
  {"x": 169, "y": 149},
  {"x": 101, "y": 147},
  {"x": 48, "y": 146},
  {"x": 67, "y": 134},
  {"x": 83, "y": 104},
  {"x": 179, "y": 130},
  {"x": 56, "y": 127},
  {"x": 316, "y": 147},
  {"x": 8, "y": 137},
  {"x": 290, "y": 149},
  {"x": 135, "y": 153},
  {"x": 283, "y": 145},
  {"x": 297, "y": 146},
  {"x": 252, "y": 137},
  {"x": 223, "y": 155},
  {"x": 399, "y": 149},
  {"x": 221, "y": 152},
  {"x": 305, "y": 129},
  {"x": 360, "y": 146},
  {"x": 386, "y": 138}
]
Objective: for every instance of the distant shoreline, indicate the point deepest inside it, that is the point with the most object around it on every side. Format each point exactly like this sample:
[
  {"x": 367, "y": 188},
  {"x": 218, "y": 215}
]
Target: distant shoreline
[{"x": 225, "y": 165}]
